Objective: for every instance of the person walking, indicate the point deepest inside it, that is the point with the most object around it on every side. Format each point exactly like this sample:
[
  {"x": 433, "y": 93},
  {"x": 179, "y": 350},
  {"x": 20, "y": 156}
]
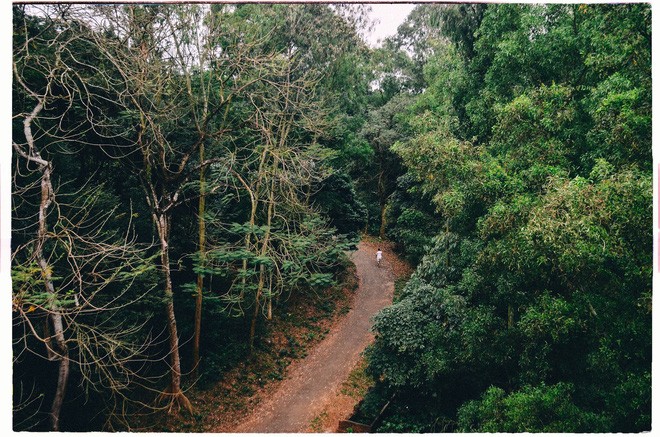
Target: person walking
[{"x": 379, "y": 256}]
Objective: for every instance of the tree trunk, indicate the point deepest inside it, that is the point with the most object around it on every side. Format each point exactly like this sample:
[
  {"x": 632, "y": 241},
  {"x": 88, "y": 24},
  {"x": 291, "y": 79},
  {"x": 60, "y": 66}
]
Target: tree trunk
[
  {"x": 174, "y": 391},
  {"x": 61, "y": 352},
  {"x": 202, "y": 256},
  {"x": 248, "y": 238},
  {"x": 270, "y": 299},
  {"x": 62, "y": 374}
]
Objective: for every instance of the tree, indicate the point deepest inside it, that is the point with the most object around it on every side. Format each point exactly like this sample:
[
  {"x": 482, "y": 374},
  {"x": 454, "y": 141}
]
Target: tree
[
  {"x": 416, "y": 37},
  {"x": 277, "y": 165},
  {"x": 520, "y": 299},
  {"x": 70, "y": 270},
  {"x": 382, "y": 130}
]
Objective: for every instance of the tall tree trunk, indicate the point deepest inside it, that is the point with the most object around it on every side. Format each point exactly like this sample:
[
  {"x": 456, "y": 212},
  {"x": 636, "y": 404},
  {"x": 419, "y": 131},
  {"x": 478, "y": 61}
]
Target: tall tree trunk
[
  {"x": 248, "y": 238},
  {"x": 254, "y": 203},
  {"x": 174, "y": 391},
  {"x": 63, "y": 372},
  {"x": 60, "y": 352},
  {"x": 202, "y": 257}
]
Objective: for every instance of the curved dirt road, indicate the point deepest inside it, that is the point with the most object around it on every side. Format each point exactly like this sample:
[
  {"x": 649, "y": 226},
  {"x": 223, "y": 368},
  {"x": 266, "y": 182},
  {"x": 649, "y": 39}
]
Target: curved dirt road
[{"x": 314, "y": 382}]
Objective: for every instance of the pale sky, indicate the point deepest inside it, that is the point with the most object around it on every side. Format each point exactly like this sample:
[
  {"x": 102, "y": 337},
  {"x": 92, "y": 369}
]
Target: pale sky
[{"x": 390, "y": 15}]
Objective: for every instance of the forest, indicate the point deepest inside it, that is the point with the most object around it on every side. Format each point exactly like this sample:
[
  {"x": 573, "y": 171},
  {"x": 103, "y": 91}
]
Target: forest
[{"x": 184, "y": 175}]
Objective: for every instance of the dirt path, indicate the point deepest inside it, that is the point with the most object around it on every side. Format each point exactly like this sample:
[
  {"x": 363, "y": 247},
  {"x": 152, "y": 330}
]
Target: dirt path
[{"x": 313, "y": 384}]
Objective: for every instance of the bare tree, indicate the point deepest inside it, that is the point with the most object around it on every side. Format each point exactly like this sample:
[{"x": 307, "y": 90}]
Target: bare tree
[{"x": 65, "y": 258}]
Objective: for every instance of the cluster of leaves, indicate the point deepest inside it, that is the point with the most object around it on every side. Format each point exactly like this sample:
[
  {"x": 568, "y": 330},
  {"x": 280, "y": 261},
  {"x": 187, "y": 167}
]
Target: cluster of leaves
[{"x": 531, "y": 309}]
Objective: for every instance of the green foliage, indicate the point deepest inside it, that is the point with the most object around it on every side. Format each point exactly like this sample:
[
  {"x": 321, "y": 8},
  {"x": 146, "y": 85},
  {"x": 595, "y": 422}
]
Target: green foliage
[
  {"x": 410, "y": 231},
  {"x": 530, "y": 310},
  {"x": 337, "y": 198},
  {"x": 376, "y": 180},
  {"x": 506, "y": 148},
  {"x": 410, "y": 219},
  {"x": 532, "y": 409},
  {"x": 622, "y": 122}
]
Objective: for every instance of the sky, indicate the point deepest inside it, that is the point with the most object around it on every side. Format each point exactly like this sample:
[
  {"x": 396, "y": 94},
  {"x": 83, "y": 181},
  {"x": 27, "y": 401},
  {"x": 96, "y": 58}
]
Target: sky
[{"x": 390, "y": 16}]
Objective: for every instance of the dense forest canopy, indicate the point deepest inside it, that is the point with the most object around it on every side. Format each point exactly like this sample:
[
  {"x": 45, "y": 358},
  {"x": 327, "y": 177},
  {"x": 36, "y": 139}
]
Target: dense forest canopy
[
  {"x": 180, "y": 171},
  {"x": 530, "y": 309}
]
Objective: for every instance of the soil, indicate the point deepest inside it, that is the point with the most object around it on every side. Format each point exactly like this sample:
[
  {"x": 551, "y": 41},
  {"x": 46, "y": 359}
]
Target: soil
[{"x": 310, "y": 398}]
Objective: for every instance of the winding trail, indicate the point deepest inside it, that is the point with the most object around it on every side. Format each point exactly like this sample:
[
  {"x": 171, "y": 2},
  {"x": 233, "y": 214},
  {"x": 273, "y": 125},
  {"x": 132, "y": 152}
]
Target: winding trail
[{"x": 314, "y": 382}]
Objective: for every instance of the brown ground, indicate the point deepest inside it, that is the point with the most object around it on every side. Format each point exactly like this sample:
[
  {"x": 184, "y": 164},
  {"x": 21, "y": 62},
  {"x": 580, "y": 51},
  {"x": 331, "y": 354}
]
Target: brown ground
[{"x": 310, "y": 398}]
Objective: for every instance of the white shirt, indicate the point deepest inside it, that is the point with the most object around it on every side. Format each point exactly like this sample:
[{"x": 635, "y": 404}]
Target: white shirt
[{"x": 379, "y": 254}]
